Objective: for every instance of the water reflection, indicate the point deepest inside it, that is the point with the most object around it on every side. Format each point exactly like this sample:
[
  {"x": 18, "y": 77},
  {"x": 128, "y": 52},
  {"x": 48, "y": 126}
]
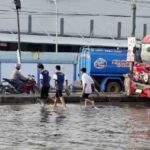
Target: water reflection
[
  {"x": 139, "y": 124},
  {"x": 114, "y": 126},
  {"x": 59, "y": 119},
  {"x": 16, "y": 107},
  {"x": 141, "y": 134},
  {"x": 44, "y": 114}
]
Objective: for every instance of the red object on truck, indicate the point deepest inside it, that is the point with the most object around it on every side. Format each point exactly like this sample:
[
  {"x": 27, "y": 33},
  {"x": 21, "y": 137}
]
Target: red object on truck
[
  {"x": 146, "y": 92},
  {"x": 142, "y": 68},
  {"x": 132, "y": 87},
  {"x": 141, "y": 73}
]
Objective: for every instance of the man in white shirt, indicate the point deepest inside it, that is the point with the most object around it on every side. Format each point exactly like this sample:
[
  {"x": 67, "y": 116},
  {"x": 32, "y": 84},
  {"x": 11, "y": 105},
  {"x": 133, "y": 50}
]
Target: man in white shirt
[{"x": 87, "y": 88}]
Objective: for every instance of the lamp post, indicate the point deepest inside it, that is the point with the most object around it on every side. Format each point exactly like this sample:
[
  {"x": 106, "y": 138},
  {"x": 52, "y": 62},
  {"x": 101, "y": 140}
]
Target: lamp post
[
  {"x": 131, "y": 47},
  {"x": 56, "y": 24},
  {"x": 132, "y": 39},
  {"x": 133, "y": 29},
  {"x": 18, "y": 6},
  {"x": 133, "y": 17}
]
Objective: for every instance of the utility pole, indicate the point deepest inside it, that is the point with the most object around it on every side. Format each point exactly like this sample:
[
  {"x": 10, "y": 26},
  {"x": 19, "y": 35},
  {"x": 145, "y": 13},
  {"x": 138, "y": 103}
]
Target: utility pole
[
  {"x": 18, "y": 6},
  {"x": 133, "y": 17},
  {"x": 132, "y": 39},
  {"x": 131, "y": 47},
  {"x": 56, "y": 24},
  {"x": 133, "y": 30}
]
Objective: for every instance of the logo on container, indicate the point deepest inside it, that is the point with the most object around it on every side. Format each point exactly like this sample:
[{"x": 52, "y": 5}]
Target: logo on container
[{"x": 100, "y": 63}]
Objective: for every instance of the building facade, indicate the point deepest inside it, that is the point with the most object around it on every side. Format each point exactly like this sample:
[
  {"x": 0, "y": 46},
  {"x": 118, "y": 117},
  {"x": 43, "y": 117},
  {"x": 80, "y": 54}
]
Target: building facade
[{"x": 72, "y": 24}]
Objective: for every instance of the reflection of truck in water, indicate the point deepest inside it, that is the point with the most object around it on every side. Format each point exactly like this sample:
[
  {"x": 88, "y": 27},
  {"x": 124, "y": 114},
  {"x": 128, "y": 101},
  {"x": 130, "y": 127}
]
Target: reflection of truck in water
[{"x": 106, "y": 66}]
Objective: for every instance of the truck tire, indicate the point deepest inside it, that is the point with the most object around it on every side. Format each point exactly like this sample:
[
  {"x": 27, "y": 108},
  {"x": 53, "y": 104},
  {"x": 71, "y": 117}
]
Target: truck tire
[{"x": 113, "y": 87}]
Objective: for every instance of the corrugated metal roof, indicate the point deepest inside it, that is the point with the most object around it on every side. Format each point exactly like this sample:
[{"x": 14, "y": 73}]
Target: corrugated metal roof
[{"x": 64, "y": 40}]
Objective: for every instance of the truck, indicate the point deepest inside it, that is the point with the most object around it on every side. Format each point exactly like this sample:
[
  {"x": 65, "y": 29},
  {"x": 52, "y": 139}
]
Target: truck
[{"x": 106, "y": 66}]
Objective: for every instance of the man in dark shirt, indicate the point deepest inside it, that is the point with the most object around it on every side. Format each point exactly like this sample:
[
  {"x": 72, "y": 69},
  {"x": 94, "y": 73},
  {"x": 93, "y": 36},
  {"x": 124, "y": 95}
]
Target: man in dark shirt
[
  {"x": 45, "y": 81},
  {"x": 59, "y": 79}
]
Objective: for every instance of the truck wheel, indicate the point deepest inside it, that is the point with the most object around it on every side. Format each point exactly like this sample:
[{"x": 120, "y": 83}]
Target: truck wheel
[{"x": 113, "y": 87}]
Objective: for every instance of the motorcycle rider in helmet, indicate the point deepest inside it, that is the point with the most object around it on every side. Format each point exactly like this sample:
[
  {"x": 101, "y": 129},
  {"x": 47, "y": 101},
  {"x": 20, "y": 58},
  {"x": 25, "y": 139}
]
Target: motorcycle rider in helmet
[{"x": 17, "y": 78}]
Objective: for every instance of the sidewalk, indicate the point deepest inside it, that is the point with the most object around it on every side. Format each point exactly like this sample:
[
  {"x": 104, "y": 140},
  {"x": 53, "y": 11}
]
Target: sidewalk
[{"x": 73, "y": 98}]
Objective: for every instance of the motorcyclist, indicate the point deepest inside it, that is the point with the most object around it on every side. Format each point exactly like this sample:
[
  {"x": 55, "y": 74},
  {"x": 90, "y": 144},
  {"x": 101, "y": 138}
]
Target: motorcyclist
[{"x": 17, "y": 78}]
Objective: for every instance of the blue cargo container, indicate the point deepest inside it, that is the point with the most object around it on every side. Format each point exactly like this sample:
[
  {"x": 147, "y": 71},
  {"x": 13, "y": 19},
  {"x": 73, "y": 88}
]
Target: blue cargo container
[{"x": 106, "y": 66}]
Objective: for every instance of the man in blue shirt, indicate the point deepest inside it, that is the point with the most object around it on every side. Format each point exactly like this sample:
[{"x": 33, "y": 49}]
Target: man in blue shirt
[
  {"x": 45, "y": 81},
  {"x": 59, "y": 79}
]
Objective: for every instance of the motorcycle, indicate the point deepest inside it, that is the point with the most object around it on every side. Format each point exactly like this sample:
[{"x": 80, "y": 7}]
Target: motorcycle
[{"x": 28, "y": 86}]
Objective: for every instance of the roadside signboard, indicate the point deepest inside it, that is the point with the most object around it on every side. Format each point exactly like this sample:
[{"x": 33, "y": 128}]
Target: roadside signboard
[{"x": 131, "y": 45}]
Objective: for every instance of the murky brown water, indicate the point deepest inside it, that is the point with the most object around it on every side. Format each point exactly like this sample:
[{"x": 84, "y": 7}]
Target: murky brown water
[{"x": 112, "y": 127}]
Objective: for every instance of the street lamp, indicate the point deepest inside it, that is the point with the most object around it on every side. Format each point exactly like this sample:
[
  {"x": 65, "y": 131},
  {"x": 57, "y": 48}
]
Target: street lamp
[
  {"x": 133, "y": 17},
  {"x": 56, "y": 25},
  {"x": 131, "y": 47},
  {"x": 18, "y": 6},
  {"x": 56, "y": 46}
]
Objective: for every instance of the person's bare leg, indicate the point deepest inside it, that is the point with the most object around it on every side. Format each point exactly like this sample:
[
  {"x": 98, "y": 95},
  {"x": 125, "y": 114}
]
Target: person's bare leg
[
  {"x": 55, "y": 103},
  {"x": 63, "y": 102},
  {"x": 90, "y": 101},
  {"x": 42, "y": 102},
  {"x": 52, "y": 101},
  {"x": 85, "y": 102}
]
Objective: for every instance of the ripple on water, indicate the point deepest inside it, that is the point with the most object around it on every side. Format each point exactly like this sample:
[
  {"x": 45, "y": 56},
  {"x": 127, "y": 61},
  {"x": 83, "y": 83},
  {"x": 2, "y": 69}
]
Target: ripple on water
[{"x": 113, "y": 126}]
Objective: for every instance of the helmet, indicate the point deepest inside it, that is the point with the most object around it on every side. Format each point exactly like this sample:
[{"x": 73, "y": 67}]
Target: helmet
[{"x": 18, "y": 66}]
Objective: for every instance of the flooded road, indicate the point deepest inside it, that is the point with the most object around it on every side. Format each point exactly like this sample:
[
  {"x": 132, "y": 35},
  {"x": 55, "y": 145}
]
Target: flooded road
[{"x": 119, "y": 126}]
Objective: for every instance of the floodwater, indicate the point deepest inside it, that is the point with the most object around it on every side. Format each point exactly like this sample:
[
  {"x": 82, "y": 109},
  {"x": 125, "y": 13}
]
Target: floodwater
[{"x": 118, "y": 126}]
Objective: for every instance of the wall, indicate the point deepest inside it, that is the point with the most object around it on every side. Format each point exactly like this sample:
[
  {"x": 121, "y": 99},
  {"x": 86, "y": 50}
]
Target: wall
[
  {"x": 30, "y": 60},
  {"x": 31, "y": 68}
]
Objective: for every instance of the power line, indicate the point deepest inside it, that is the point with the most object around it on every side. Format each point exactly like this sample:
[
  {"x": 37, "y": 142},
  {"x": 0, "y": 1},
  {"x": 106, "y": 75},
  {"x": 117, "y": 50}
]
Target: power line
[
  {"x": 46, "y": 16},
  {"x": 71, "y": 13}
]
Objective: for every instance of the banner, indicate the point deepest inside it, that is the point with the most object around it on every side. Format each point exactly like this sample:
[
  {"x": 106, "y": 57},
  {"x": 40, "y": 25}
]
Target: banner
[{"x": 131, "y": 45}]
